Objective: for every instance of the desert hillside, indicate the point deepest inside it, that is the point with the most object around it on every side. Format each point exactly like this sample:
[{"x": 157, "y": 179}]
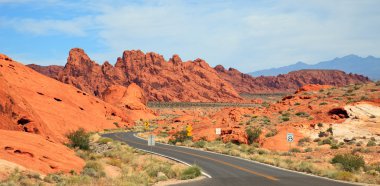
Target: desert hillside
[{"x": 38, "y": 111}]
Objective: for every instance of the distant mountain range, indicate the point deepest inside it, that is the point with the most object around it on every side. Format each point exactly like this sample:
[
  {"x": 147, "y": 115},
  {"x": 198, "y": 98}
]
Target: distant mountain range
[{"x": 368, "y": 66}]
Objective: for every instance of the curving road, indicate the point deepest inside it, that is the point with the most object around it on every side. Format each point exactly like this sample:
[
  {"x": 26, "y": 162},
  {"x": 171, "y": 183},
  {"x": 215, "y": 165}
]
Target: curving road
[{"x": 226, "y": 170}]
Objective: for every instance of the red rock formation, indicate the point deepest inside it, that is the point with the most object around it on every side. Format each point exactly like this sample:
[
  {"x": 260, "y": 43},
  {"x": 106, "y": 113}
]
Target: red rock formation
[
  {"x": 131, "y": 98},
  {"x": 312, "y": 87},
  {"x": 48, "y": 109},
  {"x": 34, "y": 152},
  {"x": 34, "y": 103},
  {"x": 244, "y": 83},
  {"x": 174, "y": 80},
  {"x": 51, "y": 71},
  {"x": 161, "y": 80}
]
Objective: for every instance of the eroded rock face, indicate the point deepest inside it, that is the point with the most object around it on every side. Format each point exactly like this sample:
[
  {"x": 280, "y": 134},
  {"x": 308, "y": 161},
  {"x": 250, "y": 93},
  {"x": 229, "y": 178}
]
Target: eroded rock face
[
  {"x": 34, "y": 152},
  {"x": 131, "y": 98},
  {"x": 244, "y": 83},
  {"x": 160, "y": 80},
  {"x": 34, "y": 103},
  {"x": 36, "y": 113}
]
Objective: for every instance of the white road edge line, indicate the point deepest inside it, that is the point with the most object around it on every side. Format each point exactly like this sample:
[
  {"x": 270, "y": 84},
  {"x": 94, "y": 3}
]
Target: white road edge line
[
  {"x": 175, "y": 159},
  {"x": 280, "y": 168}
]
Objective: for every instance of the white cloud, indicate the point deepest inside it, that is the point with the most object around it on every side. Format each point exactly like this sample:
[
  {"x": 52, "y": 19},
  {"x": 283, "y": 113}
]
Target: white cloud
[
  {"x": 72, "y": 27},
  {"x": 243, "y": 34}
]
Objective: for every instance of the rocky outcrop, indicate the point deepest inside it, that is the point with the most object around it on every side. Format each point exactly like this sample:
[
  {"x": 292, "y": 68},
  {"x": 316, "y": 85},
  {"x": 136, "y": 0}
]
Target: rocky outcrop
[
  {"x": 34, "y": 103},
  {"x": 131, "y": 98},
  {"x": 244, "y": 83},
  {"x": 37, "y": 112},
  {"x": 51, "y": 71},
  {"x": 34, "y": 152},
  {"x": 312, "y": 87},
  {"x": 161, "y": 80},
  {"x": 175, "y": 80}
]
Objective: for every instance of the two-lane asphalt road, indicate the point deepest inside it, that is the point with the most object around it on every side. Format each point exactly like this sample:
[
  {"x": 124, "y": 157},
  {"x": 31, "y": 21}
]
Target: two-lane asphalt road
[{"x": 226, "y": 170}]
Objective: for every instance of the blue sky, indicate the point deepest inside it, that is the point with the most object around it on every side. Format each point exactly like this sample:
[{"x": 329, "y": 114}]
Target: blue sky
[{"x": 247, "y": 35}]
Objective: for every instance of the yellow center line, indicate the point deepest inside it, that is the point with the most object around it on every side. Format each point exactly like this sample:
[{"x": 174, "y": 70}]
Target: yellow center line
[{"x": 212, "y": 159}]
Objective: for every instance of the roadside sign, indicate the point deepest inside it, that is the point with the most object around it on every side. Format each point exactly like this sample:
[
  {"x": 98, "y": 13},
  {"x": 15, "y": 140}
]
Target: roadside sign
[
  {"x": 290, "y": 137},
  {"x": 189, "y": 129},
  {"x": 151, "y": 141},
  {"x": 146, "y": 125},
  {"x": 218, "y": 131}
]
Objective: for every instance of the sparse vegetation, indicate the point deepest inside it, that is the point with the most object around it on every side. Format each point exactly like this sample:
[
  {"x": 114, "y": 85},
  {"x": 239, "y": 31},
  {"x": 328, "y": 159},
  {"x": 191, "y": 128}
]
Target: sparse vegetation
[
  {"x": 199, "y": 144},
  {"x": 349, "y": 162},
  {"x": 253, "y": 135},
  {"x": 104, "y": 140},
  {"x": 271, "y": 133},
  {"x": 302, "y": 114},
  {"x": 371, "y": 143},
  {"x": 295, "y": 150},
  {"x": 191, "y": 172},
  {"x": 79, "y": 139},
  {"x": 304, "y": 140},
  {"x": 180, "y": 136}
]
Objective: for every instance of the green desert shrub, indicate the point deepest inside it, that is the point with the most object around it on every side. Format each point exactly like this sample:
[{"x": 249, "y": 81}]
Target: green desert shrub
[
  {"x": 253, "y": 135},
  {"x": 334, "y": 146},
  {"x": 53, "y": 178},
  {"x": 305, "y": 167},
  {"x": 371, "y": 143},
  {"x": 304, "y": 140},
  {"x": 116, "y": 124},
  {"x": 297, "y": 150},
  {"x": 308, "y": 149},
  {"x": 154, "y": 167},
  {"x": 199, "y": 144},
  {"x": 93, "y": 169},
  {"x": 349, "y": 162},
  {"x": 79, "y": 139},
  {"x": 343, "y": 175},
  {"x": 180, "y": 136},
  {"x": 302, "y": 114},
  {"x": 265, "y": 104},
  {"x": 271, "y": 133},
  {"x": 104, "y": 140},
  {"x": 191, "y": 172},
  {"x": 265, "y": 120},
  {"x": 326, "y": 141}
]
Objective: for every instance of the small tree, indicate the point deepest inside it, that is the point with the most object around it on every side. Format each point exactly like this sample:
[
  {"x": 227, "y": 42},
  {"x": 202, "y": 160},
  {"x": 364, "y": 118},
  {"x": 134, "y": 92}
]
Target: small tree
[{"x": 79, "y": 139}]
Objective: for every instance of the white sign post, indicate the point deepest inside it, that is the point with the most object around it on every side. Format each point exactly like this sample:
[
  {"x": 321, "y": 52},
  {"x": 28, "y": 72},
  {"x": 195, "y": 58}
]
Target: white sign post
[
  {"x": 151, "y": 141},
  {"x": 218, "y": 131},
  {"x": 290, "y": 139}
]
